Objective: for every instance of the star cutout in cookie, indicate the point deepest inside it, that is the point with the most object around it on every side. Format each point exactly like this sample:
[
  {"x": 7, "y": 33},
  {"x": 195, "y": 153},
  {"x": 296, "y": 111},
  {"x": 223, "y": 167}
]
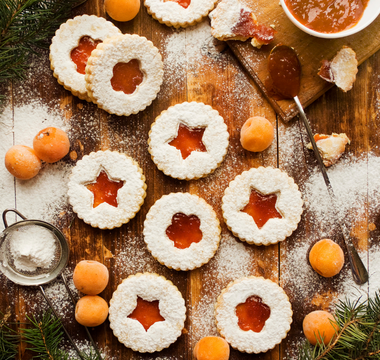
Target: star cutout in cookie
[
  {"x": 147, "y": 313},
  {"x": 105, "y": 190},
  {"x": 262, "y": 208},
  {"x": 189, "y": 140}
]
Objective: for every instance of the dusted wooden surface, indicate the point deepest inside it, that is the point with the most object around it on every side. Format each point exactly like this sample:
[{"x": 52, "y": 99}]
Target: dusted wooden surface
[{"x": 223, "y": 85}]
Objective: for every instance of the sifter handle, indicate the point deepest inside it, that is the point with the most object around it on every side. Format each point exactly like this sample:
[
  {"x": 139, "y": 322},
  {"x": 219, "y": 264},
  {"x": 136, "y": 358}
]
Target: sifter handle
[{"x": 11, "y": 210}]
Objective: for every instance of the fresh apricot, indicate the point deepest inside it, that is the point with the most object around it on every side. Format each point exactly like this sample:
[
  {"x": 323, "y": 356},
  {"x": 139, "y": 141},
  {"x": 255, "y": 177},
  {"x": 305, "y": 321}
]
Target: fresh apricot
[
  {"x": 122, "y": 10},
  {"x": 212, "y": 348},
  {"x": 256, "y": 134},
  {"x": 319, "y": 326},
  {"x": 22, "y": 162},
  {"x": 90, "y": 277},
  {"x": 51, "y": 144},
  {"x": 326, "y": 258},
  {"x": 91, "y": 310}
]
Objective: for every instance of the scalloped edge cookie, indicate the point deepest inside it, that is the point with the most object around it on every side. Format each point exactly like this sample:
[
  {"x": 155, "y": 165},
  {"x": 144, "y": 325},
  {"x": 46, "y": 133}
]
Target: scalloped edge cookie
[
  {"x": 266, "y": 181},
  {"x": 130, "y": 197},
  {"x": 150, "y": 287},
  {"x": 198, "y": 164},
  {"x": 171, "y": 13},
  {"x": 276, "y": 326},
  {"x": 66, "y": 39},
  {"x": 159, "y": 218},
  {"x": 99, "y": 72}
]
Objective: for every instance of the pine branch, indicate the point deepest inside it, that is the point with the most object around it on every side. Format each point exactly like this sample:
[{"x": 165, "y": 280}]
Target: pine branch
[
  {"x": 8, "y": 339},
  {"x": 44, "y": 337},
  {"x": 27, "y": 25},
  {"x": 358, "y": 337}
]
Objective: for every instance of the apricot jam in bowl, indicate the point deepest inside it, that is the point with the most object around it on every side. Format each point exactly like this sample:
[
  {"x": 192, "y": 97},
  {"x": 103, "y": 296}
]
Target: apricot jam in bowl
[{"x": 331, "y": 19}]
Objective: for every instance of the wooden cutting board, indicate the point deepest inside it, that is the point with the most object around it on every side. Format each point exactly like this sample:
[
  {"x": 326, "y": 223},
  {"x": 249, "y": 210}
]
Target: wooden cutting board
[{"x": 311, "y": 51}]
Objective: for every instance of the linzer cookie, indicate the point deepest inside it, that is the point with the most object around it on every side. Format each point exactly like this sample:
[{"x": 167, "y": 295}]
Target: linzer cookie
[
  {"x": 179, "y": 13},
  {"x": 235, "y": 20},
  {"x": 262, "y": 206},
  {"x": 182, "y": 231},
  {"x": 106, "y": 189},
  {"x": 124, "y": 74},
  {"x": 147, "y": 312},
  {"x": 72, "y": 46},
  {"x": 253, "y": 314},
  {"x": 188, "y": 141}
]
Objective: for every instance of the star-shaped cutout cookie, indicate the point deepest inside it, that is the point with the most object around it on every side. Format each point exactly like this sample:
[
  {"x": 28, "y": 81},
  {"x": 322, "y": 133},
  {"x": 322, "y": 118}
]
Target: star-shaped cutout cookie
[
  {"x": 147, "y": 313},
  {"x": 262, "y": 208},
  {"x": 189, "y": 140},
  {"x": 105, "y": 190}
]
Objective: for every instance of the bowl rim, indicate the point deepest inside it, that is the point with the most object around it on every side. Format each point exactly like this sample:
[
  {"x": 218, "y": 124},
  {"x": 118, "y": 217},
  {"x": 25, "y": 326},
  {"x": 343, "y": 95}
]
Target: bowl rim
[{"x": 351, "y": 31}]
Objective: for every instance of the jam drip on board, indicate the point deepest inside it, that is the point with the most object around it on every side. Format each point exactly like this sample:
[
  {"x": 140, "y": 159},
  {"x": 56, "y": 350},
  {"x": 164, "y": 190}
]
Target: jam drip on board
[
  {"x": 82, "y": 52},
  {"x": 262, "y": 208},
  {"x": 184, "y": 3},
  {"x": 189, "y": 140},
  {"x": 127, "y": 76},
  {"x": 252, "y": 314},
  {"x": 248, "y": 27},
  {"x": 147, "y": 313},
  {"x": 327, "y": 16},
  {"x": 184, "y": 230},
  {"x": 105, "y": 190}
]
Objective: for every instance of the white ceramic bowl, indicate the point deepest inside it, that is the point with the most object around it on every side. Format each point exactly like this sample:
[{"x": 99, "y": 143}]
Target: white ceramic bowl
[{"x": 370, "y": 14}]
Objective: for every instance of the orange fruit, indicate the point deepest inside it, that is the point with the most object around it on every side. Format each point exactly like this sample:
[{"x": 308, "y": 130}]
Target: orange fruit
[
  {"x": 256, "y": 134},
  {"x": 51, "y": 144},
  {"x": 90, "y": 277},
  {"x": 91, "y": 310},
  {"x": 212, "y": 348},
  {"x": 318, "y": 327},
  {"x": 22, "y": 162},
  {"x": 122, "y": 10},
  {"x": 326, "y": 258}
]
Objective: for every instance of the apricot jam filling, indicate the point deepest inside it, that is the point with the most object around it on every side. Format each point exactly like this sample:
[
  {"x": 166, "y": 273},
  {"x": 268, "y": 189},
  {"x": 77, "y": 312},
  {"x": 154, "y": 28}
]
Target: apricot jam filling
[
  {"x": 184, "y": 3},
  {"x": 262, "y": 208},
  {"x": 127, "y": 76},
  {"x": 247, "y": 27},
  {"x": 104, "y": 190},
  {"x": 252, "y": 314},
  {"x": 82, "y": 52},
  {"x": 147, "y": 313},
  {"x": 189, "y": 140},
  {"x": 327, "y": 16},
  {"x": 184, "y": 230}
]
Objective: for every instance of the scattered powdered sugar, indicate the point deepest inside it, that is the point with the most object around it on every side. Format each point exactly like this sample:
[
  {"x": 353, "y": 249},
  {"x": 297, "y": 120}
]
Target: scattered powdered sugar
[
  {"x": 45, "y": 195},
  {"x": 184, "y": 47},
  {"x": 353, "y": 181},
  {"x": 32, "y": 247},
  {"x": 232, "y": 261}
]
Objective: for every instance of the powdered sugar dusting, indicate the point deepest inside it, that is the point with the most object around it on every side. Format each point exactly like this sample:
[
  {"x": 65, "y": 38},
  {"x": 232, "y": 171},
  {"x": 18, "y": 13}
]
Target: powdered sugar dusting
[
  {"x": 233, "y": 260},
  {"x": 19, "y": 126}
]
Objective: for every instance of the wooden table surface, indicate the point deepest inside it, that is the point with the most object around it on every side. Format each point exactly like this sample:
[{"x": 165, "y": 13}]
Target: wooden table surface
[{"x": 214, "y": 77}]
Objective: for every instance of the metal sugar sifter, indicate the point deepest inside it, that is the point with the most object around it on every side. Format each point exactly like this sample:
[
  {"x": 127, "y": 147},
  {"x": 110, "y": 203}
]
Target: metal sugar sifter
[{"x": 37, "y": 276}]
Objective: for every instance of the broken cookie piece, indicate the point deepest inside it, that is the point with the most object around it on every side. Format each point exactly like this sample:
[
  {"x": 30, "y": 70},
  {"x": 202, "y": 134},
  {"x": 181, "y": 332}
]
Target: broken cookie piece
[
  {"x": 341, "y": 70},
  {"x": 235, "y": 20},
  {"x": 331, "y": 147}
]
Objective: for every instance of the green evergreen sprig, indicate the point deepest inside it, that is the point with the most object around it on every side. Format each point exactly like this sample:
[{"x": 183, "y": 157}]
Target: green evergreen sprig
[
  {"x": 44, "y": 337},
  {"x": 25, "y": 26},
  {"x": 8, "y": 339},
  {"x": 358, "y": 337}
]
